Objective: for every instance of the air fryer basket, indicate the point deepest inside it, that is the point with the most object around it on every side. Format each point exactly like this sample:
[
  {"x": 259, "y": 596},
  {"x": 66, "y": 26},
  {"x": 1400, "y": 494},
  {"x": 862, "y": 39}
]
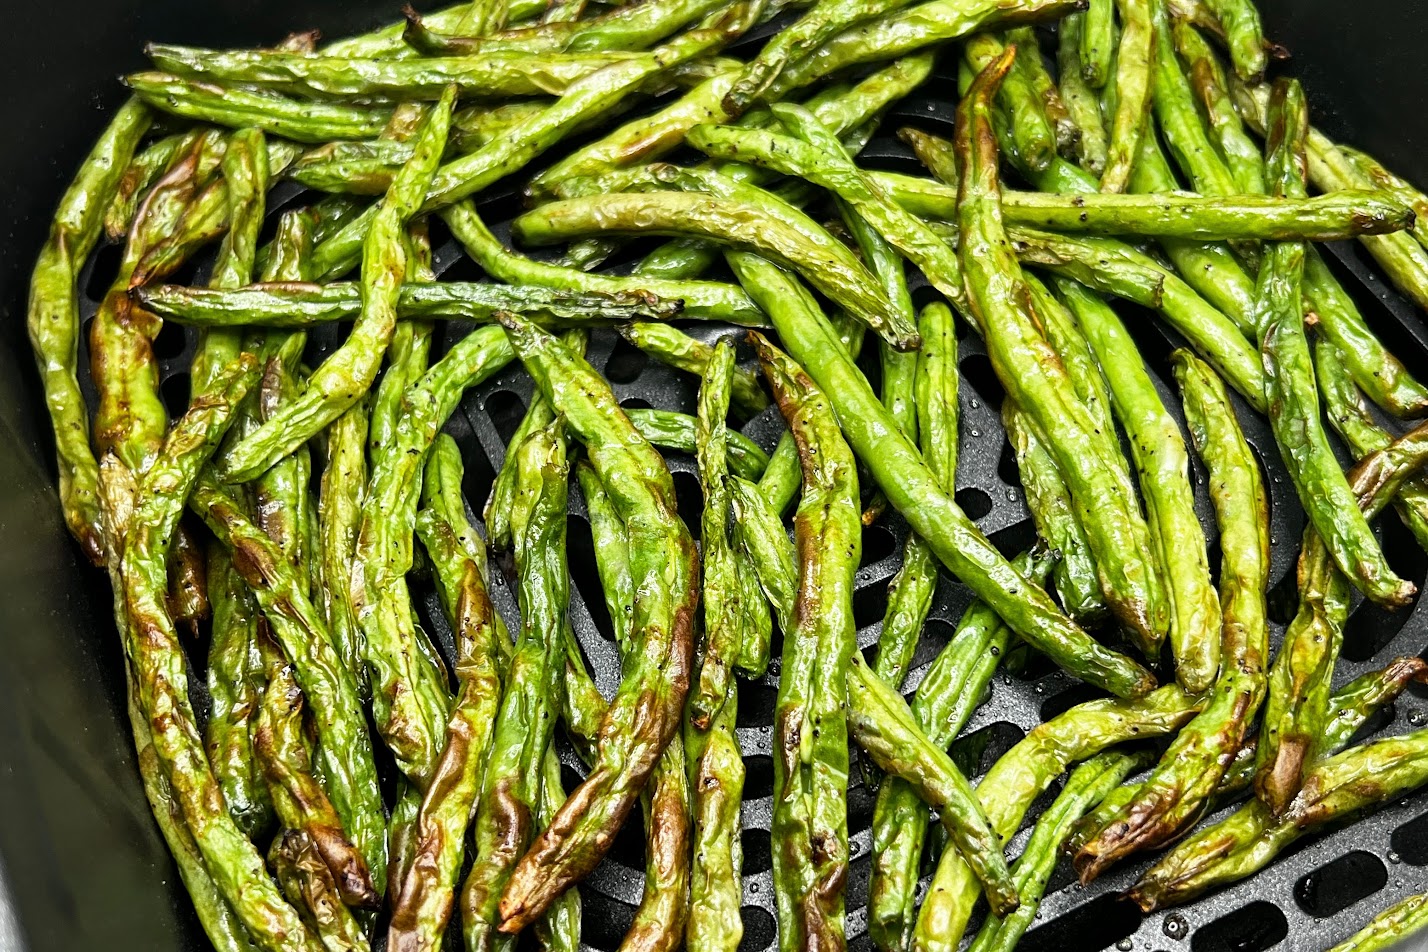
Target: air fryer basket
[{"x": 79, "y": 859}]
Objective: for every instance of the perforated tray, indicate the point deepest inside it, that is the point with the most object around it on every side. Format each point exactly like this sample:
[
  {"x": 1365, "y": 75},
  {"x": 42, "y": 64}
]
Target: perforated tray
[{"x": 1316, "y": 894}]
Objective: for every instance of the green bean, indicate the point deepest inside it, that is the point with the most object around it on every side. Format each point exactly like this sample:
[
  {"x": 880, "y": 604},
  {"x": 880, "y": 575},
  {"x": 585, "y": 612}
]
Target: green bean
[
  {"x": 825, "y": 20},
  {"x": 884, "y": 727},
  {"x": 237, "y": 107},
  {"x": 676, "y": 431},
  {"x": 764, "y": 538},
  {"x": 935, "y": 392},
  {"x": 723, "y": 614},
  {"x": 1386, "y": 929},
  {"x": 660, "y": 921},
  {"x": 119, "y": 498},
  {"x": 1242, "y": 157},
  {"x": 1135, "y": 65},
  {"x": 951, "y": 689},
  {"x": 280, "y": 495},
  {"x": 1179, "y": 789},
  {"x": 1400, "y": 188},
  {"x": 511, "y": 787},
  {"x": 496, "y": 75},
  {"x": 1245, "y": 35},
  {"x": 842, "y": 111},
  {"x": 772, "y": 227},
  {"x": 305, "y": 879},
  {"x": 236, "y": 674},
  {"x": 387, "y": 40},
  {"x": 366, "y": 167},
  {"x": 1030, "y": 66},
  {"x": 1297, "y": 703},
  {"x": 671, "y": 346},
  {"x": 130, "y": 417},
  {"x": 410, "y": 700},
  {"x": 1083, "y": 367},
  {"x": 717, "y": 784},
  {"x": 821, "y": 159},
  {"x": 1342, "y": 214},
  {"x": 408, "y": 353},
  {"x": 1078, "y": 92},
  {"x": 1074, "y": 575},
  {"x": 1402, "y": 258},
  {"x": 139, "y": 176},
  {"x": 1162, "y": 463},
  {"x": 1382, "y": 376},
  {"x": 645, "y": 712},
  {"x": 583, "y": 102},
  {"x": 159, "y": 667},
  {"x": 911, "y": 589},
  {"x": 1031, "y": 138},
  {"x": 810, "y": 835},
  {"x": 631, "y": 27},
  {"x": 298, "y": 305},
  {"x": 1114, "y": 268},
  {"x": 349, "y": 371},
  {"x": 339, "y": 514},
  {"x": 234, "y": 695},
  {"x": 1021, "y": 775},
  {"x": 245, "y": 170},
  {"x": 934, "y": 152},
  {"x": 1211, "y": 269},
  {"x": 914, "y": 491},
  {"x": 204, "y": 219},
  {"x": 612, "y": 557},
  {"x": 1351, "y": 706},
  {"x": 665, "y": 904},
  {"x": 1293, "y": 400},
  {"x": 1179, "y": 116},
  {"x": 559, "y": 929},
  {"x": 757, "y": 644},
  {"x": 484, "y": 17},
  {"x": 424, "y": 897},
  {"x": 643, "y": 139},
  {"x": 1098, "y": 43},
  {"x": 346, "y": 752},
  {"x": 910, "y": 30},
  {"x": 298, "y": 798},
  {"x": 1088, "y": 784},
  {"x": 500, "y": 504},
  {"x": 1351, "y": 419},
  {"x": 702, "y": 299},
  {"x": 1358, "y": 780},
  {"x": 1027, "y": 367}
]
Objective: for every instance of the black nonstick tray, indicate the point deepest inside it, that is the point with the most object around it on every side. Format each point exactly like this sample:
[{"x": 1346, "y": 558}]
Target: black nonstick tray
[{"x": 80, "y": 862}]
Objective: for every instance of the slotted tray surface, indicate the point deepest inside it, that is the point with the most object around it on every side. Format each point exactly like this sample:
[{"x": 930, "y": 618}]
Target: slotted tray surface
[{"x": 1314, "y": 895}]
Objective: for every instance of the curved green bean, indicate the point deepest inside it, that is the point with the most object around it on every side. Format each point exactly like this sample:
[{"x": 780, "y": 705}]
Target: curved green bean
[
  {"x": 810, "y": 833},
  {"x": 1028, "y": 367},
  {"x": 1162, "y": 463},
  {"x": 772, "y": 227},
  {"x": 645, "y": 712},
  {"x": 914, "y": 491},
  {"x": 350, "y": 370},
  {"x": 1131, "y": 85},
  {"x": 1358, "y": 780},
  {"x": 511, "y": 786},
  {"x": 1179, "y": 790},
  {"x": 53, "y": 317},
  {"x": 1015, "y": 780},
  {"x": 1293, "y": 399}
]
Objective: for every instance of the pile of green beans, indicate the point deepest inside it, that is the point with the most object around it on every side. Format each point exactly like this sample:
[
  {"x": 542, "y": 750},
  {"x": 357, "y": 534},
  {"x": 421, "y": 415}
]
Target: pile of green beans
[{"x": 296, "y": 515}]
